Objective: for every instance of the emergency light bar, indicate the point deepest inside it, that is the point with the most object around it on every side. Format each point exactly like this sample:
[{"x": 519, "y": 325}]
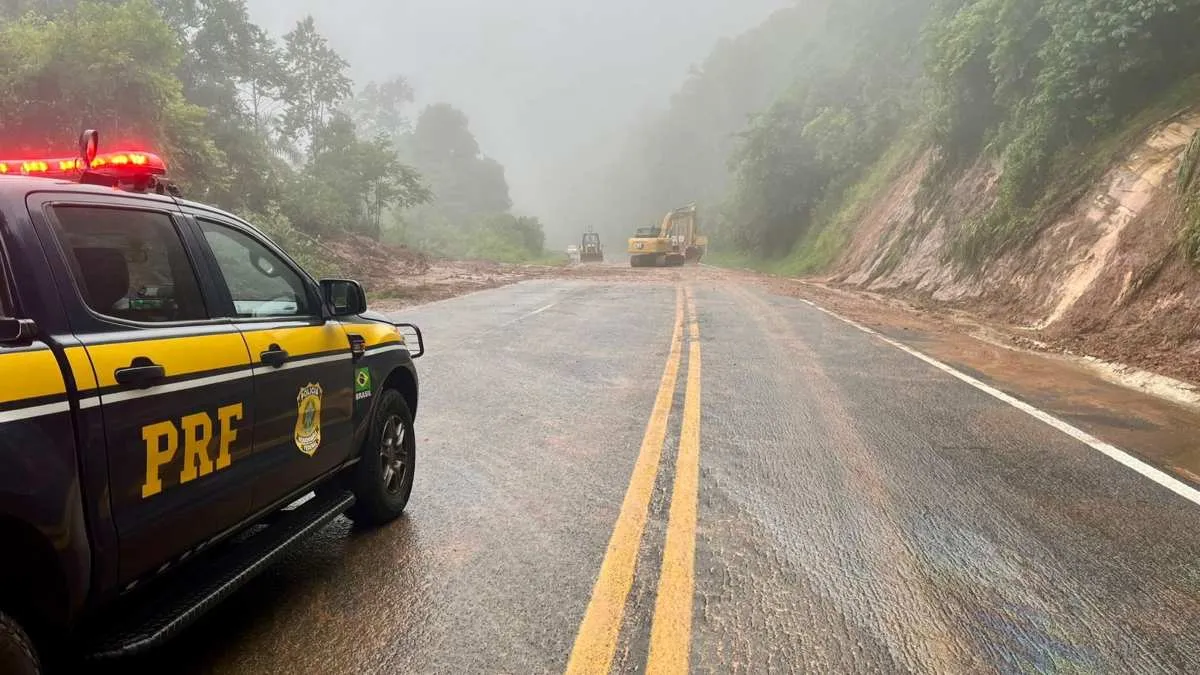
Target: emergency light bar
[
  {"x": 114, "y": 163},
  {"x": 127, "y": 164}
]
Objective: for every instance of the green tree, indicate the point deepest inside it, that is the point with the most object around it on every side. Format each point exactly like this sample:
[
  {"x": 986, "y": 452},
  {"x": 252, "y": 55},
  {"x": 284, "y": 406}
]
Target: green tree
[
  {"x": 1034, "y": 82},
  {"x": 353, "y": 185},
  {"x": 129, "y": 89},
  {"x": 466, "y": 183},
  {"x": 234, "y": 70},
  {"x": 861, "y": 85},
  {"x": 379, "y": 109},
  {"x": 199, "y": 82},
  {"x": 315, "y": 83},
  {"x": 12, "y": 9},
  {"x": 470, "y": 213}
]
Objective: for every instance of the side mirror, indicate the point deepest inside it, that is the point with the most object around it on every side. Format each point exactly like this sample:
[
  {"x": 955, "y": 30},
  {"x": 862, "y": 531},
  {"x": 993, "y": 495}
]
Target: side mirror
[
  {"x": 17, "y": 331},
  {"x": 345, "y": 297}
]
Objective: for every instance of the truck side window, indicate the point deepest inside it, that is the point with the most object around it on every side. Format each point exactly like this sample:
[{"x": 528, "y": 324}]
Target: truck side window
[
  {"x": 260, "y": 283},
  {"x": 130, "y": 264}
]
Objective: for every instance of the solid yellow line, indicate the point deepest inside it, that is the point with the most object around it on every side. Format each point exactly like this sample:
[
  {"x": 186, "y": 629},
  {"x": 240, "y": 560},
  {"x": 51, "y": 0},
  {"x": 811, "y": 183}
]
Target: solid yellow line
[
  {"x": 671, "y": 632},
  {"x": 596, "y": 642}
]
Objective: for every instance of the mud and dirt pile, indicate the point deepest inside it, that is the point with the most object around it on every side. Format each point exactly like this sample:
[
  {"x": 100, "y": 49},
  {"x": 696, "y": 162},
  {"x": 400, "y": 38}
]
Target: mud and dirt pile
[
  {"x": 1108, "y": 279},
  {"x": 378, "y": 263},
  {"x": 399, "y": 276}
]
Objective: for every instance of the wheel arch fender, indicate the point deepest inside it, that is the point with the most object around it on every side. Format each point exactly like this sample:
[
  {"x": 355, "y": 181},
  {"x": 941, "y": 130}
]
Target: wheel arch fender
[
  {"x": 33, "y": 585},
  {"x": 404, "y": 380}
]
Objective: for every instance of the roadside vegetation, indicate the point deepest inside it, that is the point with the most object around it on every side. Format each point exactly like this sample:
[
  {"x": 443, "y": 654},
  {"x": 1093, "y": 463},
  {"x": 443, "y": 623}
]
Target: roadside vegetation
[
  {"x": 790, "y": 130},
  {"x": 272, "y": 128}
]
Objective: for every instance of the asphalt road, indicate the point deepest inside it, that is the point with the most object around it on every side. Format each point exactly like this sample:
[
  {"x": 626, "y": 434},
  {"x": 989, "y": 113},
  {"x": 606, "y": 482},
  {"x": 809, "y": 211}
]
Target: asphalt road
[{"x": 608, "y": 478}]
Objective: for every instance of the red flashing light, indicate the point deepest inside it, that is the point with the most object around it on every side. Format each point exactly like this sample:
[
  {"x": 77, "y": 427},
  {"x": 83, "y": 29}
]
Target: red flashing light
[
  {"x": 119, "y": 164},
  {"x": 136, "y": 162}
]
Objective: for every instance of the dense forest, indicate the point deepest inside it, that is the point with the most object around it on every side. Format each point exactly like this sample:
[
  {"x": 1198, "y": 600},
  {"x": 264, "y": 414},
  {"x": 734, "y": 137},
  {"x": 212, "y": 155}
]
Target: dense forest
[
  {"x": 273, "y": 129},
  {"x": 784, "y": 130},
  {"x": 780, "y": 134}
]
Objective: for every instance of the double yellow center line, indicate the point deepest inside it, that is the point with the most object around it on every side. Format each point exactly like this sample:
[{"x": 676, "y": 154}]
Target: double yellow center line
[{"x": 670, "y": 633}]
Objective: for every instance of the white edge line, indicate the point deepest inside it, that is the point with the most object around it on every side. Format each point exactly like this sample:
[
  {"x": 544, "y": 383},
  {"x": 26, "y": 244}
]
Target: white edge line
[
  {"x": 519, "y": 319},
  {"x": 1109, "y": 450}
]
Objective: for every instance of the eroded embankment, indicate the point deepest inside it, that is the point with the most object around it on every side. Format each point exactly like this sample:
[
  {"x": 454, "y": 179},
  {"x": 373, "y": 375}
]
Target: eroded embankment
[{"x": 1107, "y": 279}]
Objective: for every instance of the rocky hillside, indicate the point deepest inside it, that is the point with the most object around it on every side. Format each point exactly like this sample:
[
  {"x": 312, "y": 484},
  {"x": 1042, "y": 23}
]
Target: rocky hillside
[{"x": 1109, "y": 277}]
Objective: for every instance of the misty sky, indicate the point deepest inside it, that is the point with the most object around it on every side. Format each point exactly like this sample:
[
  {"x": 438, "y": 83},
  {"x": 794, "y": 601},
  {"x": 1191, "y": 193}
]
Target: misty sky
[{"x": 545, "y": 82}]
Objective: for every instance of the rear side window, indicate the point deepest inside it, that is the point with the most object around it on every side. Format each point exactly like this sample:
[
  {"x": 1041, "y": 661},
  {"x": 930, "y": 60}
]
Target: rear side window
[{"x": 130, "y": 264}]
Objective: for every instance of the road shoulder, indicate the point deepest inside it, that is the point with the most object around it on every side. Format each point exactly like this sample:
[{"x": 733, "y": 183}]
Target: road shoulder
[{"x": 1155, "y": 429}]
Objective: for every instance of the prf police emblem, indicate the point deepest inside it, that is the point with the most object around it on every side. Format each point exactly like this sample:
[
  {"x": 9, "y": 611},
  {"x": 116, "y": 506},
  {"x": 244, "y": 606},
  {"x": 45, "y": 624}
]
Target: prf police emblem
[{"x": 308, "y": 419}]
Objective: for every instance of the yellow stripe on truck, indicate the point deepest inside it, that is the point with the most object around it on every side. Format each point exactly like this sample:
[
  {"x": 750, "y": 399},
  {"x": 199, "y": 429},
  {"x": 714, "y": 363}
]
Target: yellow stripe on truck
[
  {"x": 81, "y": 368},
  {"x": 30, "y": 374},
  {"x": 374, "y": 335},
  {"x": 299, "y": 342},
  {"x": 180, "y": 356}
]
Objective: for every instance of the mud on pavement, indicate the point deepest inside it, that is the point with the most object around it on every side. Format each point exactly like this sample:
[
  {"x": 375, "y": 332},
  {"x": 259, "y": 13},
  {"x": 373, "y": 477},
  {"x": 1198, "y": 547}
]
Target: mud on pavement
[{"x": 1054, "y": 381}]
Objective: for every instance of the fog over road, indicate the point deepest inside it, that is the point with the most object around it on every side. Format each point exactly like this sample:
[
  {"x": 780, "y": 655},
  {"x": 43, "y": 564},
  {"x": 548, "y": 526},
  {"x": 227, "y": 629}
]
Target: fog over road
[
  {"x": 685, "y": 469},
  {"x": 551, "y": 86}
]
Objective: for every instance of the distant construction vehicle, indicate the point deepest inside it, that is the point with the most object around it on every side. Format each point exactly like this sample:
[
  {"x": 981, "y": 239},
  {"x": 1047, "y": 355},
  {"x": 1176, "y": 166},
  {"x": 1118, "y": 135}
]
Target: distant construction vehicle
[
  {"x": 590, "y": 249},
  {"x": 676, "y": 241}
]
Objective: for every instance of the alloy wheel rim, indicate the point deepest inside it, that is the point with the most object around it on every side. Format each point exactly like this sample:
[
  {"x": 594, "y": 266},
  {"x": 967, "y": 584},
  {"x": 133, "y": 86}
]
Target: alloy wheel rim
[{"x": 391, "y": 454}]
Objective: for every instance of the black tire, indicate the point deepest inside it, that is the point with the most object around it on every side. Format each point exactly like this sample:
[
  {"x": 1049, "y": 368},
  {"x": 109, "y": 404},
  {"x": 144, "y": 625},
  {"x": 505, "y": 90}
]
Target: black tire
[
  {"x": 17, "y": 654},
  {"x": 381, "y": 494}
]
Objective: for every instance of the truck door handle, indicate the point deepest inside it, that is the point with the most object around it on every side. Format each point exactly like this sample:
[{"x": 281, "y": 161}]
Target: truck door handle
[
  {"x": 275, "y": 356},
  {"x": 141, "y": 373}
]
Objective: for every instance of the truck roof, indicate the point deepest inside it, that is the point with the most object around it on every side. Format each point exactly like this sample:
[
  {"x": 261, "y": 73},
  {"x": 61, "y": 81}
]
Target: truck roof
[{"x": 15, "y": 187}]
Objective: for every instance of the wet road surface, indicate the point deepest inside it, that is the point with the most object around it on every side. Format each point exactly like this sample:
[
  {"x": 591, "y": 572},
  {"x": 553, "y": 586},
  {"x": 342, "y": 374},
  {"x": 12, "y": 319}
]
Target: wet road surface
[{"x": 685, "y": 471}]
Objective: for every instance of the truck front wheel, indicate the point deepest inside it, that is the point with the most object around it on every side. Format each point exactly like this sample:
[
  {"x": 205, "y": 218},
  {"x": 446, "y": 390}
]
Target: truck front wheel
[
  {"x": 383, "y": 478},
  {"x": 17, "y": 654}
]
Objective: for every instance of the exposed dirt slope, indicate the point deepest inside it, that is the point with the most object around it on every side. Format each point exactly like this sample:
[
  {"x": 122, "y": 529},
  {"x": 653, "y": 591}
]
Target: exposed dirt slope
[{"x": 1108, "y": 279}]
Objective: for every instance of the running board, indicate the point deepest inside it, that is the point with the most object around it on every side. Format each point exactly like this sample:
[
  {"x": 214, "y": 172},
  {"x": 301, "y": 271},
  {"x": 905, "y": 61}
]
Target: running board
[{"x": 184, "y": 600}]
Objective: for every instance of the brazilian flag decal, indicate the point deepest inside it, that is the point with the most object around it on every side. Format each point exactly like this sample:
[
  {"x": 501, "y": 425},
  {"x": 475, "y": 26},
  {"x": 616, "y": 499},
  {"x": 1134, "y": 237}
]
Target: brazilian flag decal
[{"x": 362, "y": 383}]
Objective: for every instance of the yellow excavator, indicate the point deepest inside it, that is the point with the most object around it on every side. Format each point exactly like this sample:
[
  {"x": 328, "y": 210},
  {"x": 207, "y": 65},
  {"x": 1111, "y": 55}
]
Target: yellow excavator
[{"x": 676, "y": 241}]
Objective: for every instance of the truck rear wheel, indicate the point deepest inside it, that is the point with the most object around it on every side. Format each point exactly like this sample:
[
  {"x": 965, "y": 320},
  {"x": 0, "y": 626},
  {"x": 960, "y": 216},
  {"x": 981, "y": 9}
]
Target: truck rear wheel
[
  {"x": 382, "y": 480},
  {"x": 17, "y": 654}
]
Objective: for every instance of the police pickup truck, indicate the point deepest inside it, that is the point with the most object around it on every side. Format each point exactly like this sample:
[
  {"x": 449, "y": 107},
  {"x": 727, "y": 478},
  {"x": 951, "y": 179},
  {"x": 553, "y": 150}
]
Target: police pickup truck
[{"x": 179, "y": 403}]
